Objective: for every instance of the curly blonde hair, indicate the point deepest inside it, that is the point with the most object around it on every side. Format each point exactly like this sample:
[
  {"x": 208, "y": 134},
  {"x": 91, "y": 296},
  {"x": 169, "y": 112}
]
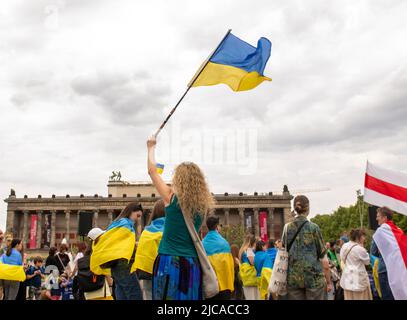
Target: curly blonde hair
[{"x": 190, "y": 187}]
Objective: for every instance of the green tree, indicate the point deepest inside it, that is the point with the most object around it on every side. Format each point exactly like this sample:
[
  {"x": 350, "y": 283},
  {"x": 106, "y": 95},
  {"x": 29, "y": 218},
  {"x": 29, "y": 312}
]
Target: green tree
[
  {"x": 344, "y": 219},
  {"x": 233, "y": 234}
]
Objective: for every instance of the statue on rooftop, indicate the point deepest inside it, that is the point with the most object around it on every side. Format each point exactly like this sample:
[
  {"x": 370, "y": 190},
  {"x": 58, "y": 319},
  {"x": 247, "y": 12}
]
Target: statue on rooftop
[{"x": 116, "y": 176}]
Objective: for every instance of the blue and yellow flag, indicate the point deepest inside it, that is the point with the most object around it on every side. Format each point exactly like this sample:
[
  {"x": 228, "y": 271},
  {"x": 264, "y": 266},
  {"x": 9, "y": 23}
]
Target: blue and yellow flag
[
  {"x": 117, "y": 242},
  {"x": 220, "y": 256},
  {"x": 263, "y": 265},
  {"x": 375, "y": 272},
  {"x": 247, "y": 272},
  {"x": 147, "y": 249},
  {"x": 159, "y": 168},
  {"x": 236, "y": 64},
  {"x": 11, "y": 272}
]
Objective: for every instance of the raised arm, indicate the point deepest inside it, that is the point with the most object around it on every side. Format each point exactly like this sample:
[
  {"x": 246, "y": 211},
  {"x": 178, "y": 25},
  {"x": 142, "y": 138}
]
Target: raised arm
[{"x": 163, "y": 189}]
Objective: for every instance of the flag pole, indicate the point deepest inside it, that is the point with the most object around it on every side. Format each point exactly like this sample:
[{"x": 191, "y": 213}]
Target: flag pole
[{"x": 190, "y": 84}]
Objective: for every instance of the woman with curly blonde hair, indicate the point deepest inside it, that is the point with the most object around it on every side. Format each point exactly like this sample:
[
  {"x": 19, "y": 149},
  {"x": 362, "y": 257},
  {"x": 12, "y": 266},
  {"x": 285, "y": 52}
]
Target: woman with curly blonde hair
[{"x": 176, "y": 272}]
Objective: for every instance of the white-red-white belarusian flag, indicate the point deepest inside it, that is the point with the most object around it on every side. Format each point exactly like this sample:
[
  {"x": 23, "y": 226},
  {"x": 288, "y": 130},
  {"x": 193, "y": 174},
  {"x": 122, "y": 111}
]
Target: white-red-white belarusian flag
[
  {"x": 385, "y": 187},
  {"x": 392, "y": 244},
  {"x": 388, "y": 188}
]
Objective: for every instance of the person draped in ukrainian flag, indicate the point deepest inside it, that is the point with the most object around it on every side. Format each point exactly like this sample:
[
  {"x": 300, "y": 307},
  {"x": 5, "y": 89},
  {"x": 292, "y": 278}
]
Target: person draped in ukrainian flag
[
  {"x": 12, "y": 270},
  {"x": 263, "y": 266},
  {"x": 177, "y": 272},
  {"x": 113, "y": 254},
  {"x": 220, "y": 256},
  {"x": 247, "y": 271},
  {"x": 147, "y": 248}
]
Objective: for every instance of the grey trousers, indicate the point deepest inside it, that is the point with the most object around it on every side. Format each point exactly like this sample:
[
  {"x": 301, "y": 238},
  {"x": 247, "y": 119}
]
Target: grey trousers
[
  {"x": 306, "y": 294},
  {"x": 10, "y": 289},
  {"x": 147, "y": 288}
]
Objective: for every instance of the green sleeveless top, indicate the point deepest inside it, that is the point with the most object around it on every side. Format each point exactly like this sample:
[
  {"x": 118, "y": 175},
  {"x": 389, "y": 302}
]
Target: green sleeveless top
[{"x": 176, "y": 240}]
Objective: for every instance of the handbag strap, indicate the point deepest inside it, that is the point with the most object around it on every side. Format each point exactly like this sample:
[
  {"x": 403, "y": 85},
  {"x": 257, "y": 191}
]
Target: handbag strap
[
  {"x": 59, "y": 258},
  {"x": 197, "y": 242},
  {"x": 295, "y": 235},
  {"x": 344, "y": 261}
]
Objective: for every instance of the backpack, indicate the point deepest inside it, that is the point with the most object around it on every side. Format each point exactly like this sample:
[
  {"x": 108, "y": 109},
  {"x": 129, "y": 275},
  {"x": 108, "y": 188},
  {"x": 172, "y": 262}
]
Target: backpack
[{"x": 87, "y": 280}]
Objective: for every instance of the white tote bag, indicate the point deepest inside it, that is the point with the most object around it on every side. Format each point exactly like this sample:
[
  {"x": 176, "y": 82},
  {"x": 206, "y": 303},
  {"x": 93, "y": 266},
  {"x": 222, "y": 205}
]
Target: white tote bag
[
  {"x": 278, "y": 281},
  {"x": 210, "y": 284}
]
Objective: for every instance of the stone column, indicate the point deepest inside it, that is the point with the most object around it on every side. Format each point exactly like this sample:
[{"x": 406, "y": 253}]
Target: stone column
[
  {"x": 10, "y": 221},
  {"x": 77, "y": 222},
  {"x": 68, "y": 224},
  {"x": 53, "y": 227},
  {"x": 39, "y": 229},
  {"x": 25, "y": 228},
  {"x": 241, "y": 216},
  {"x": 287, "y": 216},
  {"x": 256, "y": 222},
  {"x": 95, "y": 218},
  {"x": 110, "y": 215},
  {"x": 226, "y": 212},
  {"x": 270, "y": 223}
]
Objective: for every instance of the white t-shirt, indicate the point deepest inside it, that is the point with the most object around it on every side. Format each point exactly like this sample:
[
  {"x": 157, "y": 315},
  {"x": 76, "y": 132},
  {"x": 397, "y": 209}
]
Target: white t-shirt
[{"x": 250, "y": 254}]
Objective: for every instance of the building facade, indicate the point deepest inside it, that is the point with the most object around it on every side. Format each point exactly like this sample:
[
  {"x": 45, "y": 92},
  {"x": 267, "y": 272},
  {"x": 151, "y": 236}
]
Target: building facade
[{"x": 43, "y": 222}]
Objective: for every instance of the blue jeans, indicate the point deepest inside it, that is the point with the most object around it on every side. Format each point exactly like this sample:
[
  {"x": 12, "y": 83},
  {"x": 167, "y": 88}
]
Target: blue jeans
[
  {"x": 385, "y": 287},
  {"x": 127, "y": 285}
]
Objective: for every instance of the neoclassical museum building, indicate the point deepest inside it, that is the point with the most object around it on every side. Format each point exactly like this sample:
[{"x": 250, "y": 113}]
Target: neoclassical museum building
[{"x": 42, "y": 222}]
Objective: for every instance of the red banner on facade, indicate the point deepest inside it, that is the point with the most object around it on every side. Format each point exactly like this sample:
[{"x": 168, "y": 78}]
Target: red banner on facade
[
  {"x": 33, "y": 231},
  {"x": 263, "y": 225}
]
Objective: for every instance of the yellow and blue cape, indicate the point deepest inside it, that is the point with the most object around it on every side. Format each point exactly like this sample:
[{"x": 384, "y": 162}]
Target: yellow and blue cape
[
  {"x": 263, "y": 265},
  {"x": 147, "y": 249},
  {"x": 247, "y": 272},
  {"x": 220, "y": 256},
  {"x": 236, "y": 64},
  {"x": 11, "y": 272},
  {"x": 117, "y": 242}
]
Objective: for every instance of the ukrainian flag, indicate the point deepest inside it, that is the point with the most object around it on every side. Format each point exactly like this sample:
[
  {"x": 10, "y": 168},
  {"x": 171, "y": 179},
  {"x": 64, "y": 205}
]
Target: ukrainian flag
[
  {"x": 263, "y": 265},
  {"x": 159, "y": 168},
  {"x": 11, "y": 272},
  {"x": 220, "y": 256},
  {"x": 376, "y": 274},
  {"x": 147, "y": 248},
  {"x": 247, "y": 272},
  {"x": 236, "y": 64},
  {"x": 117, "y": 242}
]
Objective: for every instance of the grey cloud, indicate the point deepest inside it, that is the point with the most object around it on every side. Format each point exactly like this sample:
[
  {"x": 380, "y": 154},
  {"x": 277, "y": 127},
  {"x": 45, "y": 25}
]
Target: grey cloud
[
  {"x": 337, "y": 96},
  {"x": 128, "y": 99}
]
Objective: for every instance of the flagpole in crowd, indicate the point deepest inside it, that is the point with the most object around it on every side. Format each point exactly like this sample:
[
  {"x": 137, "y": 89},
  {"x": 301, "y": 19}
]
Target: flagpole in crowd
[{"x": 190, "y": 84}]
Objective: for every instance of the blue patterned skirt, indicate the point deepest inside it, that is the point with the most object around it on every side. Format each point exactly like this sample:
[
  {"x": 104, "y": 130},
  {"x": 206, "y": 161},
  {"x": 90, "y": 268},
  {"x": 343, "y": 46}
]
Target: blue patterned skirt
[{"x": 177, "y": 278}]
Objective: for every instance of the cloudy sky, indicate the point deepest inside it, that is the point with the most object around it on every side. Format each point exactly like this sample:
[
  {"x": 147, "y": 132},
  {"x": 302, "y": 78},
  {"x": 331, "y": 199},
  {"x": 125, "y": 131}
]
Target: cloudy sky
[{"x": 84, "y": 83}]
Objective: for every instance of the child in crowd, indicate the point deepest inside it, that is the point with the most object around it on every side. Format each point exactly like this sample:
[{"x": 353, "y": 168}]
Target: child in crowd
[
  {"x": 53, "y": 291},
  {"x": 35, "y": 274},
  {"x": 65, "y": 285}
]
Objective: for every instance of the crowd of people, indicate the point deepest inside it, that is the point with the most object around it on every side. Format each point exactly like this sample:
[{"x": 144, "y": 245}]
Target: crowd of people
[{"x": 163, "y": 262}]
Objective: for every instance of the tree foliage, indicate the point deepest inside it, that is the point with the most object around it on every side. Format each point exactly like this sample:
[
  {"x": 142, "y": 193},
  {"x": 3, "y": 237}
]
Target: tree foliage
[
  {"x": 233, "y": 234},
  {"x": 344, "y": 219}
]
